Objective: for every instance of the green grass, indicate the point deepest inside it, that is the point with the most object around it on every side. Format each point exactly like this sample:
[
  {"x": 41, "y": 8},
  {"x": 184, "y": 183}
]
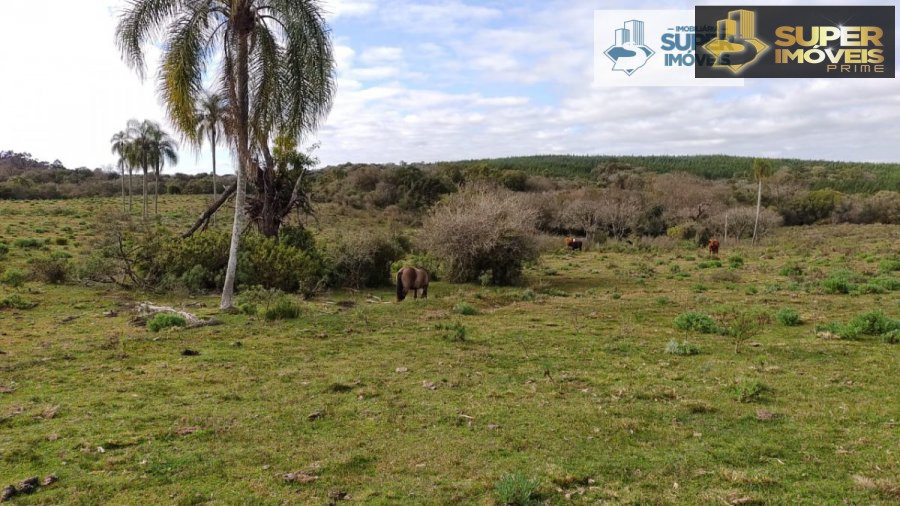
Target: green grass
[
  {"x": 165, "y": 321},
  {"x": 546, "y": 394}
]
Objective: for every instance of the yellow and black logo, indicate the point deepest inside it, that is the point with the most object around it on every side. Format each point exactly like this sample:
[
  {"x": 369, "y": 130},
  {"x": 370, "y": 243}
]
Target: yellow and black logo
[
  {"x": 736, "y": 44},
  {"x": 792, "y": 41}
]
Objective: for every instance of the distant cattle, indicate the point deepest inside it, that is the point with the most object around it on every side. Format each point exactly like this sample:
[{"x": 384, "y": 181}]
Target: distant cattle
[
  {"x": 714, "y": 247},
  {"x": 414, "y": 280},
  {"x": 574, "y": 244}
]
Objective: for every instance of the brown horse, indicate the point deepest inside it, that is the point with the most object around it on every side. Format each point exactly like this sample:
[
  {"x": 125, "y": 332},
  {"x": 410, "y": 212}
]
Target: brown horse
[
  {"x": 410, "y": 278},
  {"x": 714, "y": 247}
]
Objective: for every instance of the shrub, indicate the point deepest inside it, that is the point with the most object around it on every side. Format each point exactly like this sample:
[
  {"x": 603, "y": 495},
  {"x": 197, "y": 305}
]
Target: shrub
[
  {"x": 453, "y": 332},
  {"x": 16, "y": 302},
  {"x": 873, "y": 323},
  {"x": 61, "y": 241},
  {"x": 788, "y": 317},
  {"x": 482, "y": 229},
  {"x": 50, "y": 269},
  {"x": 283, "y": 309},
  {"x": 13, "y": 277},
  {"x": 749, "y": 391},
  {"x": 4, "y": 250},
  {"x": 887, "y": 265},
  {"x": 516, "y": 490},
  {"x": 791, "y": 270},
  {"x": 696, "y": 322},
  {"x": 892, "y": 337},
  {"x": 685, "y": 349},
  {"x": 526, "y": 295},
  {"x": 298, "y": 237},
  {"x": 465, "y": 309},
  {"x": 165, "y": 321},
  {"x": 839, "y": 282},
  {"x": 736, "y": 261},
  {"x": 365, "y": 259},
  {"x": 29, "y": 243},
  {"x": 709, "y": 264},
  {"x": 742, "y": 325}
]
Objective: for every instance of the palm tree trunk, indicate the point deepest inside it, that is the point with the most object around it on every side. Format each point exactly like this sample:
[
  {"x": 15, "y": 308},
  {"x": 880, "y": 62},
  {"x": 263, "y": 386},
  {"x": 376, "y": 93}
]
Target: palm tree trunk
[
  {"x": 758, "y": 205},
  {"x": 243, "y": 159},
  {"x": 130, "y": 190},
  {"x": 213, "y": 144},
  {"x": 156, "y": 193},
  {"x": 144, "y": 184},
  {"x": 124, "y": 204}
]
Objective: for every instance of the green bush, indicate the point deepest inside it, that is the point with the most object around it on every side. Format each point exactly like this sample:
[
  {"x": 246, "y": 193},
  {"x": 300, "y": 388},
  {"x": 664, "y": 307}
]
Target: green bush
[
  {"x": 710, "y": 264},
  {"x": 840, "y": 282},
  {"x": 892, "y": 337},
  {"x": 16, "y": 302},
  {"x": 61, "y": 241},
  {"x": 526, "y": 295},
  {"x": 28, "y": 243},
  {"x": 298, "y": 237},
  {"x": 696, "y": 322},
  {"x": 683, "y": 348},
  {"x": 13, "y": 277},
  {"x": 749, "y": 391},
  {"x": 283, "y": 309},
  {"x": 886, "y": 266},
  {"x": 517, "y": 490},
  {"x": 788, "y": 317},
  {"x": 453, "y": 332},
  {"x": 873, "y": 323},
  {"x": 792, "y": 269},
  {"x": 165, "y": 321},
  {"x": 465, "y": 309},
  {"x": 736, "y": 261}
]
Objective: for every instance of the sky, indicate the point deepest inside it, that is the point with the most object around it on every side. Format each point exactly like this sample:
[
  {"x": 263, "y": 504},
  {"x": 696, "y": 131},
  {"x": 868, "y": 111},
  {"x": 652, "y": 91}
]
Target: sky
[{"x": 430, "y": 80}]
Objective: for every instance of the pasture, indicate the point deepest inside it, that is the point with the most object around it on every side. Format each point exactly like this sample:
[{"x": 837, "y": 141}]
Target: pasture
[{"x": 568, "y": 388}]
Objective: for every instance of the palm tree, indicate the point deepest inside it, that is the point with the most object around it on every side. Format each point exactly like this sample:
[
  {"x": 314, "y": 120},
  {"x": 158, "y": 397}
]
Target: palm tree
[
  {"x": 162, "y": 149},
  {"x": 139, "y": 132},
  {"x": 274, "y": 61},
  {"x": 121, "y": 146},
  {"x": 212, "y": 118},
  {"x": 762, "y": 170}
]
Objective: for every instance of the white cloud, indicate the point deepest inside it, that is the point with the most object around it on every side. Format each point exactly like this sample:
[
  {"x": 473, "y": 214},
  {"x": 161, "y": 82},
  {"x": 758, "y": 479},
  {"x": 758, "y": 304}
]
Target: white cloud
[{"x": 347, "y": 8}]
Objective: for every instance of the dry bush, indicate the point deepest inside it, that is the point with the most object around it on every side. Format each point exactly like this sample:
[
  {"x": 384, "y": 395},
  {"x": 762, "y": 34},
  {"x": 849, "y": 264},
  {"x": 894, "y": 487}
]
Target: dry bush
[
  {"x": 482, "y": 230},
  {"x": 688, "y": 198},
  {"x": 741, "y": 220}
]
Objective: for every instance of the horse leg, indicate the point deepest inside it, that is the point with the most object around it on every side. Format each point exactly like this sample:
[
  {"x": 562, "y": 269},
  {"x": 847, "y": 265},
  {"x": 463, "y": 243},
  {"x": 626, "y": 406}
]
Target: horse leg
[
  {"x": 415, "y": 293},
  {"x": 425, "y": 292}
]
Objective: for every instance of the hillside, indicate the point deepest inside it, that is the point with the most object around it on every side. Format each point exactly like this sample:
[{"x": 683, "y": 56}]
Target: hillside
[{"x": 848, "y": 177}]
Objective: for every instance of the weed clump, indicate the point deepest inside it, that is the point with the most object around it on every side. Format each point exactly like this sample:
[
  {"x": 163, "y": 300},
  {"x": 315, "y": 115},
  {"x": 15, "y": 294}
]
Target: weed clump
[
  {"x": 683, "y": 348},
  {"x": 13, "y": 277},
  {"x": 164, "y": 321},
  {"x": 749, "y": 391},
  {"x": 28, "y": 243},
  {"x": 283, "y": 309},
  {"x": 453, "y": 332},
  {"x": 465, "y": 309},
  {"x": 788, "y": 317},
  {"x": 873, "y": 323},
  {"x": 516, "y": 489},
  {"x": 736, "y": 261},
  {"x": 696, "y": 322},
  {"x": 791, "y": 270},
  {"x": 16, "y": 302}
]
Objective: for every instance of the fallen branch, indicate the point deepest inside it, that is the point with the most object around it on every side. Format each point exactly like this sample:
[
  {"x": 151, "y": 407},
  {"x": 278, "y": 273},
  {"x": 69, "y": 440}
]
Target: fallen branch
[
  {"x": 203, "y": 221},
  {"x": 147, "y": 310}
]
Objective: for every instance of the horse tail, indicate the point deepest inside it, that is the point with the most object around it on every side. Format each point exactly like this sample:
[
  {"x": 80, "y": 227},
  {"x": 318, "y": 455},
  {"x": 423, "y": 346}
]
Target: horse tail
[{"x": 400, "y": 294}]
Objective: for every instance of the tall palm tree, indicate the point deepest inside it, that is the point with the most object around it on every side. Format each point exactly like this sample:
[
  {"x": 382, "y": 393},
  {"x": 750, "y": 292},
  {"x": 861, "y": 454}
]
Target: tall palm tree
[
  {"x": 762, "y": 170},
  {"x": 162, "y": 149},
  {"x": 121, "y": 146},
  {"x": 141, "y": 149},
  {"x": 212, "y": 119},
  {"x": 274, "y": 61}
]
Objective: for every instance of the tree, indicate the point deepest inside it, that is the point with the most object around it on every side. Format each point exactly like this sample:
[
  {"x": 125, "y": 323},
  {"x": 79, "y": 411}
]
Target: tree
[
  {"x": 122, "y": 146},
  {"x": 162, "y": 149},
  {"x": 139, "y": 133},
  {"x": 212, "y": 119},
  {"x": 762, "y": 170},
  {"x": 273, "y": 58}
]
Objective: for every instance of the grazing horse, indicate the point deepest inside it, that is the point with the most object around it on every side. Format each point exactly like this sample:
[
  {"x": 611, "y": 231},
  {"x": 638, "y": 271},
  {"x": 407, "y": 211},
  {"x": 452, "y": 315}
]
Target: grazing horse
[
  {"x": 573, "y": 244},
  {"x": 410, "y": 278},
  {"x": 714, "y": 247}
]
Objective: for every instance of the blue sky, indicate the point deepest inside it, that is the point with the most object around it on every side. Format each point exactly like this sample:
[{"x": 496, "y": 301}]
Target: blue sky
[{"x": 425, "y": 80}]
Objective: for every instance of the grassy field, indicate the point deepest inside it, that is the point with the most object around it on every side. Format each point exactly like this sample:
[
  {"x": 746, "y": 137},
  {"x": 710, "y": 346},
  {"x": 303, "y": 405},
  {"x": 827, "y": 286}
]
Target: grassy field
[{"x": 563, "y": 385}]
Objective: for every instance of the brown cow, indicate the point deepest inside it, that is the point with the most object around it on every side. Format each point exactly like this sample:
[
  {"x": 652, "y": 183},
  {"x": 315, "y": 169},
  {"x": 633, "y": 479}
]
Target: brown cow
[
  {"x": 714, "y": 247},
  {"x": 574, "y": 244}
]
